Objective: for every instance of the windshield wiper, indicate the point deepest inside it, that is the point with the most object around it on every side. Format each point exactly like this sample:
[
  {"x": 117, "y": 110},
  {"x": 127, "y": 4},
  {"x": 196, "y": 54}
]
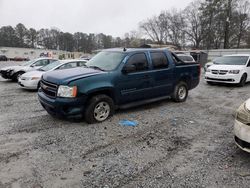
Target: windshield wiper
[{"x": 95, "y": 67}]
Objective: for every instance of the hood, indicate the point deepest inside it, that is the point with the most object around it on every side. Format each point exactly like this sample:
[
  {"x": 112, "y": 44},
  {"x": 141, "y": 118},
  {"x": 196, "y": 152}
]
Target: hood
[
  {"x": 61, "y": 77},
  {"x": 33, "y": 74},
  {"x": 11, "y": 67},
  {"x": 248, "y": 104},
  {"x": 226, "y": 67}
]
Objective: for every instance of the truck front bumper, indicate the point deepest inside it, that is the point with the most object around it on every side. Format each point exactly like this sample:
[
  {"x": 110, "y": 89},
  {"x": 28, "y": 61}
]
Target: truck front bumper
[{"x": 62, "y": 107}]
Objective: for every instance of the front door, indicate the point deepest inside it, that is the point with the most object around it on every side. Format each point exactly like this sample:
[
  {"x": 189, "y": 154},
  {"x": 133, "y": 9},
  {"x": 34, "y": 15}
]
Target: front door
[{"x": 136, "y": 84}]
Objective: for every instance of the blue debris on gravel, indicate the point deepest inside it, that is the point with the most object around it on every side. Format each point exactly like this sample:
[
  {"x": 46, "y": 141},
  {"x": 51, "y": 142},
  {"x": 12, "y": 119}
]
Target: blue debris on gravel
[{"x": 128, "y": 123}]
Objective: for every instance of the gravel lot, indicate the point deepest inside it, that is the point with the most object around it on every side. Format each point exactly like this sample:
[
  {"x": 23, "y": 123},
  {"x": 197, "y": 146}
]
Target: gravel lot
[{"x": 174, "y": 145}]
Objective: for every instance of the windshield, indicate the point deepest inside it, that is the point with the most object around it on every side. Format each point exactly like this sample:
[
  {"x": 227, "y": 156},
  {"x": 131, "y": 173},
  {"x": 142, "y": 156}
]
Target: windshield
[
  {"x": 106, "y": 61},
  {"x": 231, "y": 60},
  {"x": 50, "y": 66},
  {"x": 27, "y": 63}
]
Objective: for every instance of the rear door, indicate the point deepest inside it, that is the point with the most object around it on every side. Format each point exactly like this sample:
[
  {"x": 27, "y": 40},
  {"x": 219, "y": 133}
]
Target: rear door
[
  {"x": 135, "y": 85},
  {"x": 163, "y": 73}
]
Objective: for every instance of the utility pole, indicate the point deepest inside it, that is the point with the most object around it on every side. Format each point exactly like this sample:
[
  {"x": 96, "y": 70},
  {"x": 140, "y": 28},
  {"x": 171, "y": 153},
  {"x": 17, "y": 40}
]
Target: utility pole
[{"x": 228, "y": 15}]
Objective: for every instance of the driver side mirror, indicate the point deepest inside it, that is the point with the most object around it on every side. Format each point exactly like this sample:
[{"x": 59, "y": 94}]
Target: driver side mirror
[{"x": 128, "y": 69}]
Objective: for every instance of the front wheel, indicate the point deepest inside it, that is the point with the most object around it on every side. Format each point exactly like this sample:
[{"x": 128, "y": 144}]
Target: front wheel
[
  {"x": 180, "y": 92},
  {"x": 243, "y": 80},
  {"x": 99, "y": 108},
  {"x": 17, "y": 76}
]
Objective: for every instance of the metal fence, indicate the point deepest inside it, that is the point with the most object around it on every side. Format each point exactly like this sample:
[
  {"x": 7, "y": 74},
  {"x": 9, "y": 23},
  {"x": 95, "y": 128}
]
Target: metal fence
[{"x": 220, "y": 52}]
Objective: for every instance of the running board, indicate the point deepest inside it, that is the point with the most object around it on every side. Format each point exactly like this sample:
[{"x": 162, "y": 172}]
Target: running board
[{"x": 142, "y": 102}]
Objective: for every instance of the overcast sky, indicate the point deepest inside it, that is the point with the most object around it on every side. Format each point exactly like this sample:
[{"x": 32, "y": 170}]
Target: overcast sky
[{"x": 114, "y": 17}]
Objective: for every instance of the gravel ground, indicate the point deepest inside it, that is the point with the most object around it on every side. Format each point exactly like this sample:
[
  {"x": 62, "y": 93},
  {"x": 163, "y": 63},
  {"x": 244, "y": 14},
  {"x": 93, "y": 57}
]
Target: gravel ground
[{"x": 174, "y": 145}]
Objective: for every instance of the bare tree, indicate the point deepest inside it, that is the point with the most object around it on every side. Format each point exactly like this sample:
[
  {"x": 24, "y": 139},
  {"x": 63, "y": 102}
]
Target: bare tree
[{"x": 152, "y": 27}]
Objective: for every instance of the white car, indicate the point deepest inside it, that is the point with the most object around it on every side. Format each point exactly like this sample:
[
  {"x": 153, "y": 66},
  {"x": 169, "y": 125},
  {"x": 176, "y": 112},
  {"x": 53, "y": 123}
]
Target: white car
[
  {"x": 14, "y": 72},
  {"x": 242, "y": 126},
  {"x": 208, "y": 64},
  {"x": 233, "y": 69},
  {"x": 30, "y": 80}
]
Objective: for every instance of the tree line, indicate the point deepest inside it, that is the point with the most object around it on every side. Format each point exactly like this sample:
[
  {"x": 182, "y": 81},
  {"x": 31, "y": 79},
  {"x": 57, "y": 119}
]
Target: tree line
[
  {"x": 203, "y": 24},
  {"x": 20, "y": 36}
]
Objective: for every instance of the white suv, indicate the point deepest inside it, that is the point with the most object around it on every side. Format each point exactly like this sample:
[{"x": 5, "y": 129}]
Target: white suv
[{"x": 229, "y": 69}]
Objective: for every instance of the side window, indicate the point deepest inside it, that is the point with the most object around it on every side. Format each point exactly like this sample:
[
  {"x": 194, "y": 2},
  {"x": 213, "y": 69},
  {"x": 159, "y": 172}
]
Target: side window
[
  {"x": 159, "y": 60},
  {"x": 139, "y": 61},
  {"x": 52, "y": 60},
  {"x": 81, "y": 63},
  {"x": 68, "y": 65},
  {"x": 42, "y": 62},
  {"x": 176, "y": 59}
]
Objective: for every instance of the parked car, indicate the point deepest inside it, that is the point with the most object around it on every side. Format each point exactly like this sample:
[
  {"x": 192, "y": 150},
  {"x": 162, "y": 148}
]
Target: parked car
[
  {"x": 229, "y": 69},
  {"x": 17, "y": 58},
  {"x": 242, "y": 126},
  {"x": 208, "y": 64},
  {"x": 186, "y": 58},
  {"x": 14, "y": 72},
  {"x": 31, "y": 80},
  {"x": 85, "y": 57},
  {"x": 117, "y": 78},
  {"x": 3, "y": 58}
]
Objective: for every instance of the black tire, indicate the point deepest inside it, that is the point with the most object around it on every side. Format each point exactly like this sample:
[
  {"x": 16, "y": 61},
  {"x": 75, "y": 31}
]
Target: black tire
[
  {"x": 243, "y": 80},
  {"x": 38, "y": 85},
  {"x": 16, "y": 76},
  {"x": 177, "y": 96},
  {"x": 90, "y": 115},
  {"x": 210, "y": 83}
]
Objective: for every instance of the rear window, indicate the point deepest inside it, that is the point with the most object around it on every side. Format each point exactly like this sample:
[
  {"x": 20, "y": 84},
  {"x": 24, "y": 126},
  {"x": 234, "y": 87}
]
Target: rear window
[
  {"x": 186, "y": 58},
  {"x": 159, "y": 60}
]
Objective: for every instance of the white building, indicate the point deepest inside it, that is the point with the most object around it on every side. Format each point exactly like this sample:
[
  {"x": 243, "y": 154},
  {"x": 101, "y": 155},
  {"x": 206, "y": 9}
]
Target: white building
[{"x": 31, "y": 53}]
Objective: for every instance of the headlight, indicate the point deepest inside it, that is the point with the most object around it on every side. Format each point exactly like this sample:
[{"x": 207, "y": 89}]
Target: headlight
[
  {"x": 243, "y": 115},
  {"x": 35, "y": 78},
  {"x": 67, "y": 91},
  {"x": 234, "y": 71},
  {"x": 208, "y": 70}
]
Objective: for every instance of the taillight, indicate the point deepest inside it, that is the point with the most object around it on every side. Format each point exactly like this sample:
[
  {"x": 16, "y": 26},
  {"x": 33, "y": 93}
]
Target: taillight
[{"x": 199, "y": 71}]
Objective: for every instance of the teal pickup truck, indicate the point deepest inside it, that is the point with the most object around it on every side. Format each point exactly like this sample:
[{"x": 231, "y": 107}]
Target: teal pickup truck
[{"x": 117, "y": 78}]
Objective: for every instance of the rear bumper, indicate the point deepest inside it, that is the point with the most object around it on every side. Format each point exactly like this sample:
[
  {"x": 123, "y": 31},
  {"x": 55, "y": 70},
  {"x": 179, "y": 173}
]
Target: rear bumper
[
  {"x": 194, "y": 83},
  {"x": 62, "y": 107}
]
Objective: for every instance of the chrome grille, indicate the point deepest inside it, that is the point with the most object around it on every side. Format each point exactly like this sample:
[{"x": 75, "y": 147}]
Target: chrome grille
[
  {"x": 220, "y": 72},
  {"x": 49, "y": 89}
]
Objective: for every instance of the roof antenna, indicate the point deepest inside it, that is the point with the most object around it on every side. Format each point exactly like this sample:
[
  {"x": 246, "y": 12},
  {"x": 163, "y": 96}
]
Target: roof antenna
[{"x": 124, "y": 49}]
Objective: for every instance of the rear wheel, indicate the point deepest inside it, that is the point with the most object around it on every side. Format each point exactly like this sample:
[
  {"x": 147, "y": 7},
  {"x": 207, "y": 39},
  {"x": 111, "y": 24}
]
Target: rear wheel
[
  {"x": 243, "y": 80},
  {"x": 99, "y": 108},
  {"x": 180, "y": 92}
]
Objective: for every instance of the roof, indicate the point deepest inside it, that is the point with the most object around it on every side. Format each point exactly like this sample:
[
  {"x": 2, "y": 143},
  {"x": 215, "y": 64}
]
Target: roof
[
  {"x": 71, "y": 60},
  {"x": 238, "y": 55},
  {"x": 126, "y": 50}
]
